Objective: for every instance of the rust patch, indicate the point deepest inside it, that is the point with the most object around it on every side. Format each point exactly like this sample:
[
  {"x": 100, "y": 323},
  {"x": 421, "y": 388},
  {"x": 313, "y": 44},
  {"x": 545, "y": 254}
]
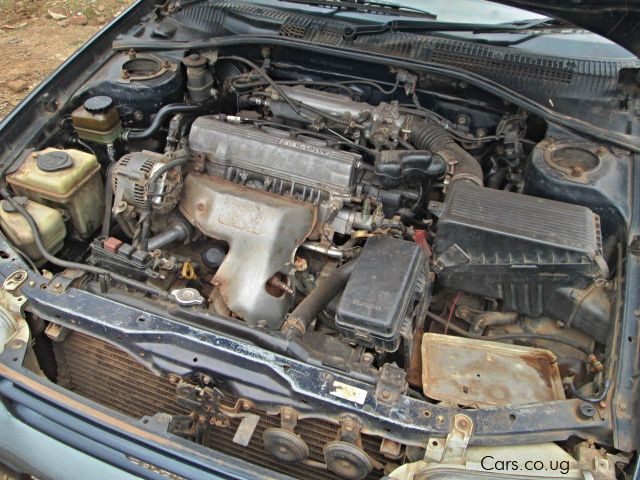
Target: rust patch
[{"x": 480, "y": 373}]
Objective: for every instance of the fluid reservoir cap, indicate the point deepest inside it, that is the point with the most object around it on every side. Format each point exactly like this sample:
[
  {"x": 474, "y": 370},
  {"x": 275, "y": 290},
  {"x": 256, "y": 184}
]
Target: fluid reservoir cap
[
  {"x": 98, "y": 104},
  {"x": 214, "y": 256},
  {"x": 7, "y": 207},
  {"x": 54, "y": 161}
]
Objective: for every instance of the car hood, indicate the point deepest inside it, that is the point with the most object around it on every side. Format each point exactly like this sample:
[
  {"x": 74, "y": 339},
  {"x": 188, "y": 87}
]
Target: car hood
[{"x": 617, "y": 20}]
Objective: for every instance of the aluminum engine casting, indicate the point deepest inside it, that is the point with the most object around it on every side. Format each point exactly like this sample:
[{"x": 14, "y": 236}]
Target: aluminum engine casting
[{"x": 263, "y": 231}]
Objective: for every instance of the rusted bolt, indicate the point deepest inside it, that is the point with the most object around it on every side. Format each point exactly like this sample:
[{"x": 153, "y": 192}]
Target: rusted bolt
[
  {"x": 622, "y": 406},
  {"x": 440, "y": 419},
  {"x": 174, "y": 379},
  {"x": 202, "y": 419},
  {"x": 16, "y": 344},
  {"x": 163, "y": 418},
  {"x": 57, "y": 285},
  {"x": 278, "y": 284},
  {"x": 218, "y": 422},
  {"x": 200, "y": 206},
  {"x": 576, "y": 171},
  {"x": 386, "y": 394},
  {"x": 132, "y": 53},
  {"x": 367, "y": 357},
  {"x": 462, "y": 423},
  {"x": 586, "y": 410},
  {"x": 326, "y": 376},
  {"x": 600, "y": 151},
  {"x": 300, "y": 264},
  {"x": 124, "y": 74},
  {"x": 166, "y": 64},
  {"x": 246, "y": 404}
]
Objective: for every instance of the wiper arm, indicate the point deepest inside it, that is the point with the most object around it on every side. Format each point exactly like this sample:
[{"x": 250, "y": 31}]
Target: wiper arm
[
  {"x": 351, "y": 32},
  {"x": 371, "y": 6}
]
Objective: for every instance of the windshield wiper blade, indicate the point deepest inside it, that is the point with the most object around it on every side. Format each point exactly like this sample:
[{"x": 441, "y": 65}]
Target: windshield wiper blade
[
  {"x": 371, "y": 6},
  {"x": 353, "y": 31}
]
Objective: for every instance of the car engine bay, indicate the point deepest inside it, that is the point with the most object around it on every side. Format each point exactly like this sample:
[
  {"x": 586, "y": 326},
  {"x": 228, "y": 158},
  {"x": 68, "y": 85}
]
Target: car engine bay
[{"x": 452, "y": 250}]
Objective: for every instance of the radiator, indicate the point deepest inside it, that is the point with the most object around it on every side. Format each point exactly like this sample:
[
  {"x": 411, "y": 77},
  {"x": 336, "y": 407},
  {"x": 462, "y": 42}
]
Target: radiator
[{"x": 111, "y": 377}]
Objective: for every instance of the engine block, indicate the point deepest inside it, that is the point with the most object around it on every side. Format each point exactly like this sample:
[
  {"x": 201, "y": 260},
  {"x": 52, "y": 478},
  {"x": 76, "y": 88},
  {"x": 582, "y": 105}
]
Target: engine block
[{"x": 270, "y": 159}]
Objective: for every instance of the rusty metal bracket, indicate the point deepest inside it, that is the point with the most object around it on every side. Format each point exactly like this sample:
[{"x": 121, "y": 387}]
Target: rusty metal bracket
[
  {"x": 288, "y": 418},
  {"x": 15, "y": 280},
  {"x": 64, "y": 280},
  {"x": 453, "y": 448},
  {"x": 458, "y": 439},
  {"x": 392, "y": 384},
  {"x": 350, "y": 431},
  {"x": 204, "y": 401}
]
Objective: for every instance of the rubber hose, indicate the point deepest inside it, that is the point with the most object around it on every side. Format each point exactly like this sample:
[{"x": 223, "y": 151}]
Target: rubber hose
[
  {"x": 307, "y": 311},
  {"x": 429, "y": 136},
  {"x": 108, "y": 202},
  {"x": 604, "y": 391},
  {"x": 74, "y": 265},
  {"x": 163, "y": 114},
  {"x": 508, "y": 336}
]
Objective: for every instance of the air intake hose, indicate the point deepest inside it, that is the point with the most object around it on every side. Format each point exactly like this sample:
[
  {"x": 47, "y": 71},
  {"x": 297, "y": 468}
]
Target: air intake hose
[{"x": 429, "y": 136}]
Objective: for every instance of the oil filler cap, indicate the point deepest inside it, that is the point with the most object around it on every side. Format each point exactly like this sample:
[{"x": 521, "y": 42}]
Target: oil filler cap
[{"x": 54, "y": 161}]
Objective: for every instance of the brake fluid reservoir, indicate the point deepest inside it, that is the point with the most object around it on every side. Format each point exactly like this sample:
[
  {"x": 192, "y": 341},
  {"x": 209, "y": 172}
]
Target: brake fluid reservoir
[
  {"x": 50, "y": 224},
  {"x": 67, "y": 179}
]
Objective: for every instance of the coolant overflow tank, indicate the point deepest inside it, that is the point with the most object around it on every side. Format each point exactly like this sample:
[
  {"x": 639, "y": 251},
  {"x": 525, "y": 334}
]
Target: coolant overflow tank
[
  {"x": 66, "y": 179},
  {"x": 15, "y": 227}
]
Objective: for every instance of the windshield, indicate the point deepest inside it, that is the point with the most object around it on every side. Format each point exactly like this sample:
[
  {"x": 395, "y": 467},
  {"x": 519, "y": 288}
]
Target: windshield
[
  {"x": 470, "y": 11},
  {"x": 574, "y": 41}
]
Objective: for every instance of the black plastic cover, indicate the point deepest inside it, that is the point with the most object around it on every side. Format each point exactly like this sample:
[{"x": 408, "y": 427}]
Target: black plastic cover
[
  {"x": 515, "y": 247},
  {"x": 380, "y": 292}
]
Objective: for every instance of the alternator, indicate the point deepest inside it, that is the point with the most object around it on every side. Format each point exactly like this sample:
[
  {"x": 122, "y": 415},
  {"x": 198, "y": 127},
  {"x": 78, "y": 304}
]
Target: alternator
[{"x": 130, "y": 180}]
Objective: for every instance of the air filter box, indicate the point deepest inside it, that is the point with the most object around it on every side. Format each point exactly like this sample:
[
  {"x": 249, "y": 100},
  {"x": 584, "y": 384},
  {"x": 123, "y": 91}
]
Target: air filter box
[
  {"x": 381, "y": 292},
  {"x": 521, "y": 249}
]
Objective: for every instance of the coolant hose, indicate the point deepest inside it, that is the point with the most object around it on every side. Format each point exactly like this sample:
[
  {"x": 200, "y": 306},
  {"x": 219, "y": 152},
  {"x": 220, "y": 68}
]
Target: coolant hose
[
  {"x": 429, "y": 136},
  {"x": 161, "y": 117},
  {"x": 306, "y": 312},
  {"x": 108, "y": 202}
]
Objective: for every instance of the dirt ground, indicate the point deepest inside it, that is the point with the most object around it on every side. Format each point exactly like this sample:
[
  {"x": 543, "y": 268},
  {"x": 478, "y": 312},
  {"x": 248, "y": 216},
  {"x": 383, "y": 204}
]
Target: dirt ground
[{"x": 37, "y": 35}]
